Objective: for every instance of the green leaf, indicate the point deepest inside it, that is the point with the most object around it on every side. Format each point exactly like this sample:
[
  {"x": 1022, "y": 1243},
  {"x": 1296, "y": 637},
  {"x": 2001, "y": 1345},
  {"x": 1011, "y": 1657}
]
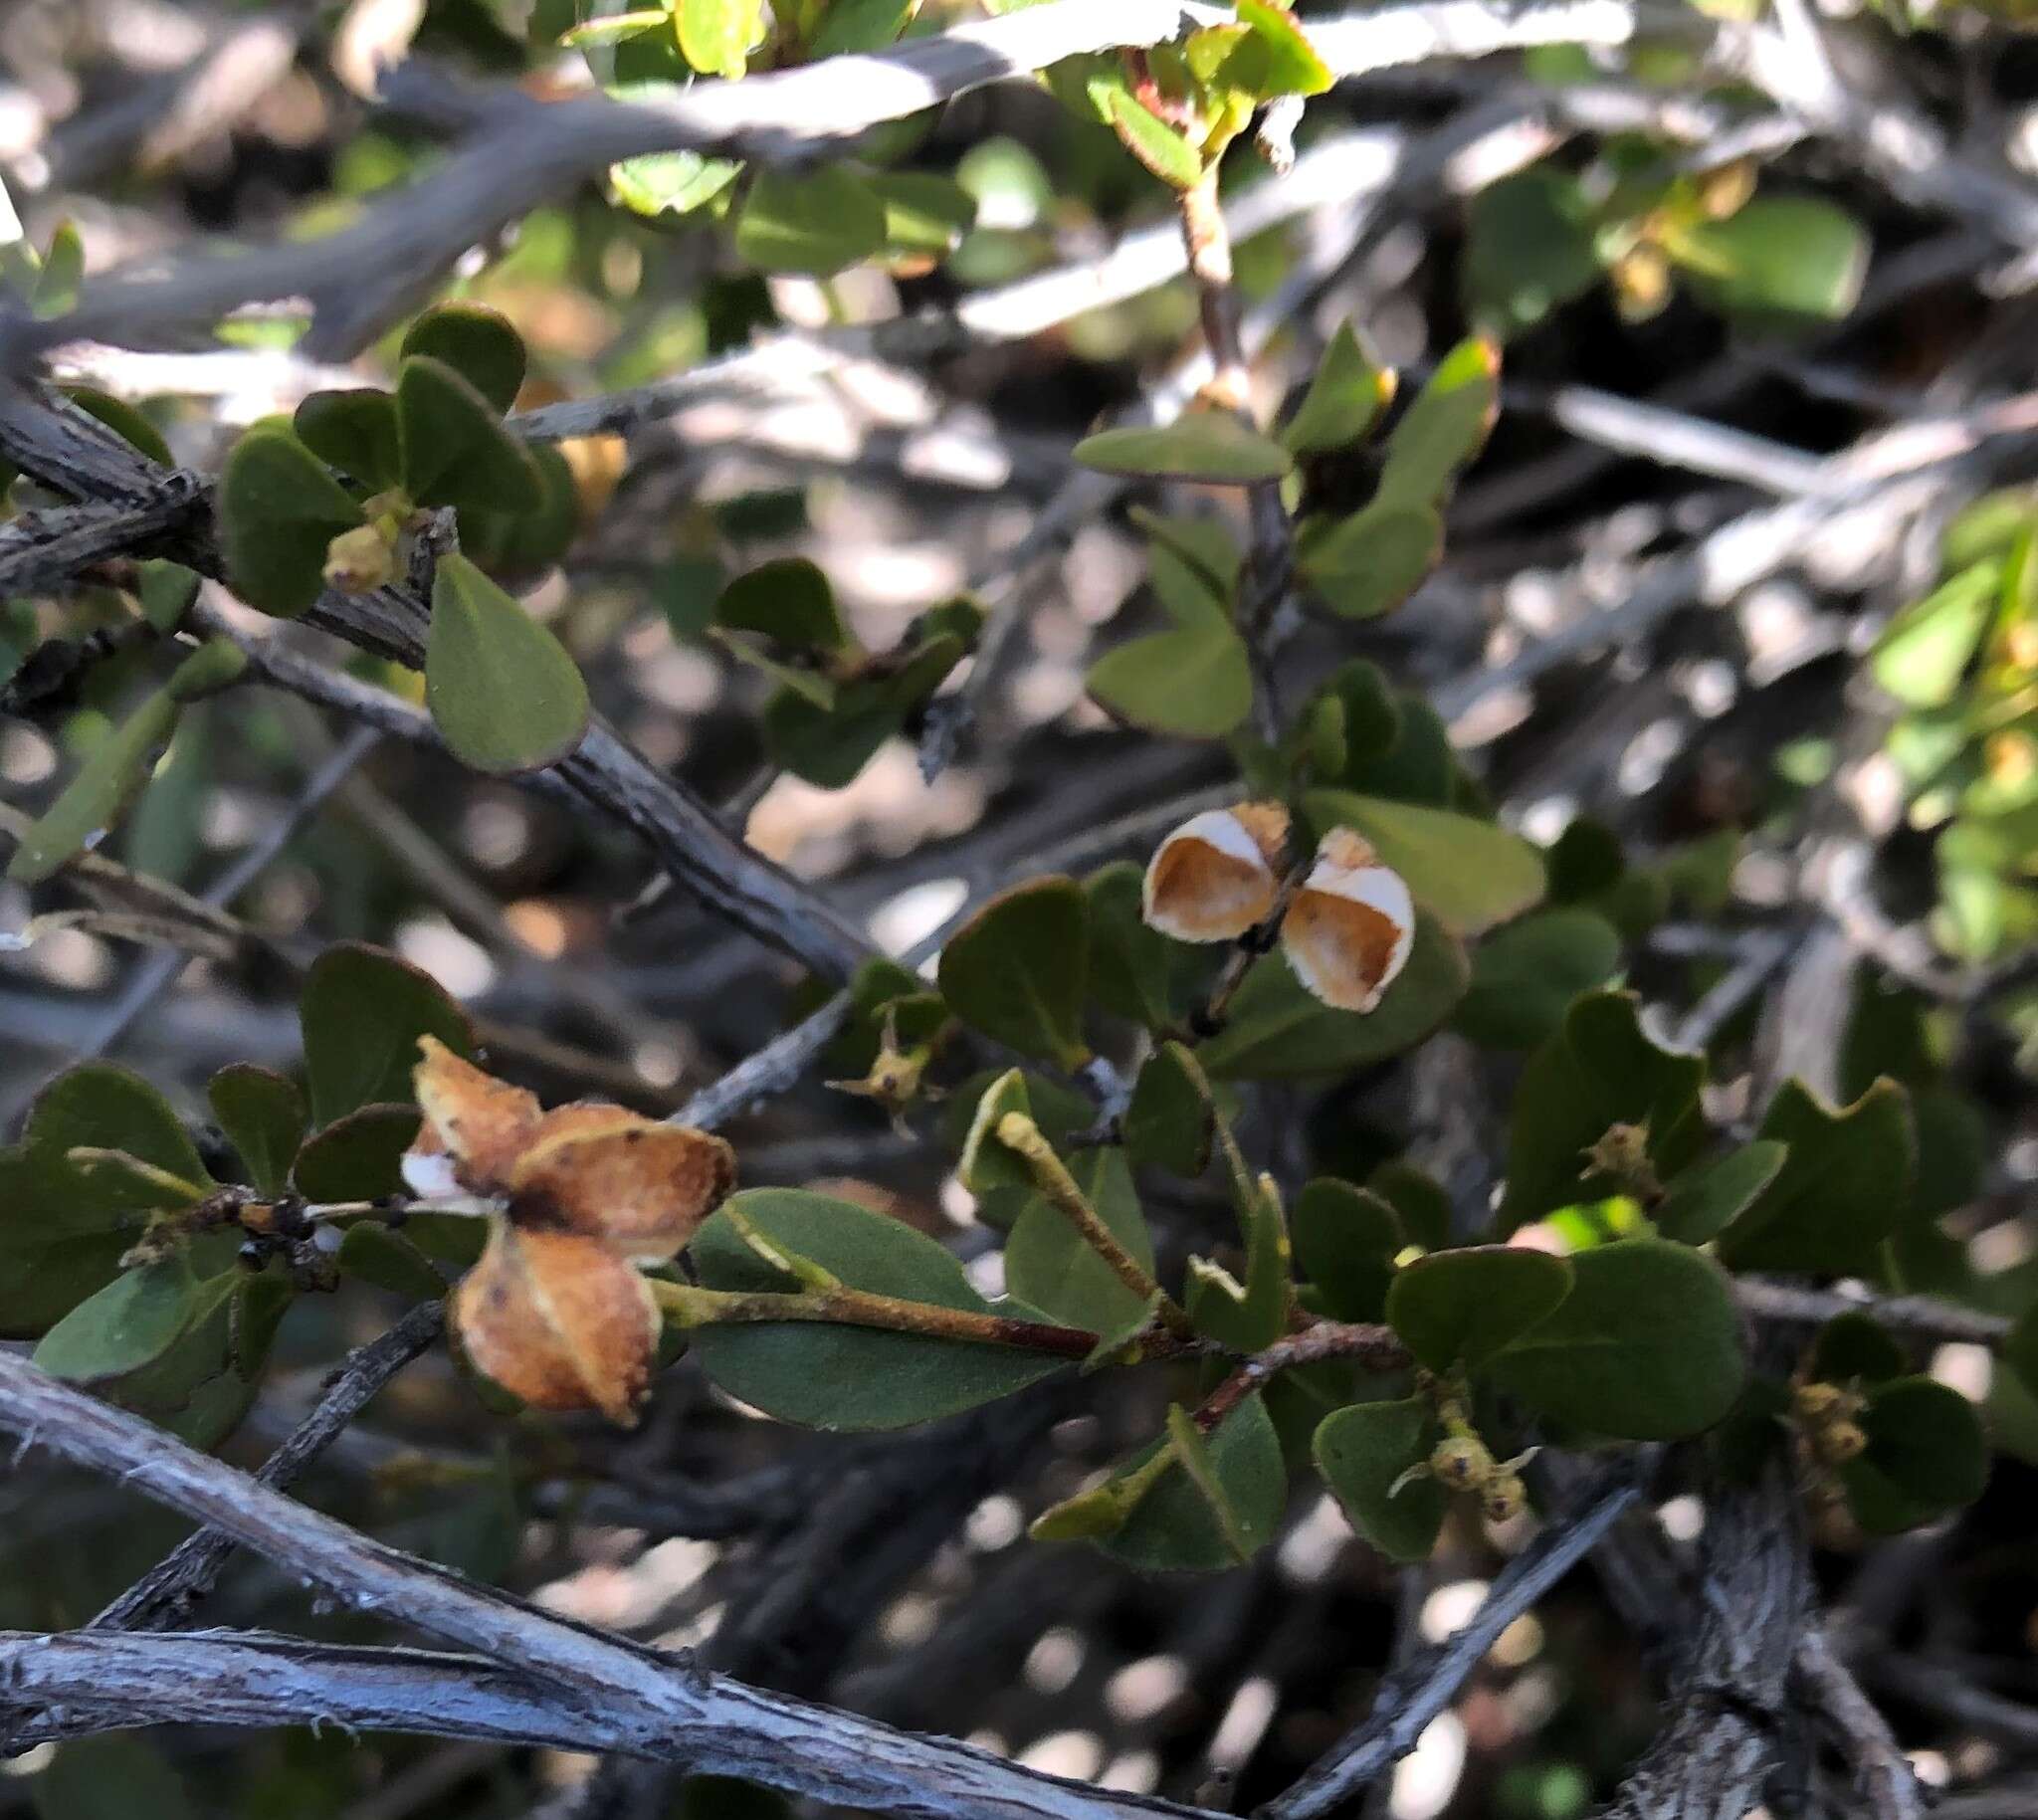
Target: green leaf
[
  {"x": 125, "y": 422},
  {"x": 1709, "y": 1196},
  {"x": 502, "y": 688},
  {"x": 1468, "y": 874},
  {"x": 524, "y": 544},
  {"x": 1049, "y": 1267},
  {"x": 102, "y": 1106},
  {"x": 95, "y": 799},
  {"x": 1362, "y": 1451},
  {"x": 456, "y": 451},
  {"x": 860, "y": 25},
  {"x": 1841, "y": 1189},
  {"x": 789, "y": 601},
  {"x": 358, "y": 1156},
  {"x": 355, "y": 432},
  {"x": 613, "y": 28},
  {"x": 716, "y": 36},
  {"x": 110, "y": 1778},
  {"x": 165, "y": 592},
  {"x": 926, "y": 215},
  {"x": 263, "y": 1116},
  {"x": 478, "y": 343},
  {"x": 1797, "y": 257},
  {"x": 1344, "y": 400},
  {"x": 1924, "y": 651},
  {"x": 375, "y": 1254},
  {"x": 1370, "y": 562},
  {"x": 986, "y": 1164},
  {"x": 1168, "y": 1122},
  {"x": 1926, "y": 1455},
  {"x": 820, "y": 222},
  {"x": 1525, "y": 976},
  {"x": 1172, "y": 1528},
  {"x": 671, "y": 182},
  {"x": 1199, "y": 1466},
  {"x": 1195, "y": 683},
  {"x": 1854, "y": 1349},
  {"x": 835, "y": 1376},
  {"x": 1208, "y": 446},
  {"x": 1250, "y": 1315},
  {"x": 278, "y": 509},
  {"x": 1204, "y": 547},
  {"x": 1597, "y": 1072},
  {"x": 1646, "y": 1346},
  {"x": 1275, "y": 1031},
  {"x": 1275, "y": 58},
  {"x": 1345, "y": 1240},
  {"x": 212, "y": 666},
  {"x": 1131, "y": 966},
  {"x": 1465, "y": 1305},
  {"x": 1445, "y": 427},
  {"x": 1529, "y": 248},
  {"x": 829, "y": 746},
  {"x": 129, "y": 1323},
  {"x": 56, "y": 287},
  {"x": 363, "y": 1012},
  {"x": 1018, "y": 968},
  {"x": 1157, "y": 145}
]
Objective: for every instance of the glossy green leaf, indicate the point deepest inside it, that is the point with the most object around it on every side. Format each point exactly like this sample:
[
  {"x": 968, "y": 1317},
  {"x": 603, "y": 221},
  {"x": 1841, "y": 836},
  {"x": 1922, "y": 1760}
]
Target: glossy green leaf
[
  {"x": 1597, "y": 1072},
  {"x": 1362, "y": 1452},
  {"x": 1646, "y": 1346},
  {"x": 1706, "y": 1198},
  {"x": 860, "y": 25},
  {"x": 789, "y": 601},
  {"x": 1529, "y": 247},
  {"x": 1841, "y": 1189},
  {"x": 1049, "y": 1267},
  {"x": 1160, "y": 148},
  {"x": 363, "y": 1012},
  {"x": 1468, "y": 874},
  {"x": 1275, "y": 1031},
  {"x": 1251, "y": 1315},
  {"x": 1275, "y": 58},
  {"x": 1344, "y": 400},
  {"x": 1131, "y": 966},
  {"x": 925, "y": 214},
  {"x": 1018, "y": 968},
  {"x": 835, "y": 1376},
  {"x": 263, "y": 1116},
  {"x": 819, "y": 222},
  {"x": 456, "y": 451},
  {"x": 1445, "y": 427},
  {"x": 358, "y": 1156},
  {"x": 478, "y": 343},
  {"x": 94, "y": 800},
  {"x": 502, "y": 688},
  {"x": 1173, "y": 1529},
  {"x": 1923, "y": 652},
  {"x": 716, "y": 36},
  {"x": 355, "y": 432},
  {"x": 1525, "y": 976},
  {"x": 1195, "y": 683},
  {"x": 1208, "y": 446},
  {"x": 1345, "y": 1240},
  {"x": 125, "y": 422},
  {"x": 1169, "y": 1124},
  {"x": 278, "y": 509},
  {"x": 1926, "y": 1455},
  {"x": 1370, "y": 562},
  {"x": 1795, "y": 257},
  {"x": 671, "y": 182},
  {"x": 1462, "y": 1307}
]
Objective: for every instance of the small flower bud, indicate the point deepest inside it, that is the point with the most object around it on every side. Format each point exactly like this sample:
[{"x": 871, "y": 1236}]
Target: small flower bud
[
  {"x": 1839, "y": 1441},
  {"x": 358, "y": 560},
  {"x": 1816, "y": 1403},
  {"x": 1348, "y": 932},
  {"x": 1462, "y": 1463},
  {"x": 1505, "y": 1497},
  {"x": 1214, "y": 877}
]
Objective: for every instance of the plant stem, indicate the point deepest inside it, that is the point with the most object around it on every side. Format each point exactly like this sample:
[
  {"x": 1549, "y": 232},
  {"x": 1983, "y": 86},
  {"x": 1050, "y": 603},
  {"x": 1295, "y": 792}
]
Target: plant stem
[
  {"x": 690, "y": 1305},
  {"x": 1371, "y": 1342},
  {"x": 1019, "y": 1134}
]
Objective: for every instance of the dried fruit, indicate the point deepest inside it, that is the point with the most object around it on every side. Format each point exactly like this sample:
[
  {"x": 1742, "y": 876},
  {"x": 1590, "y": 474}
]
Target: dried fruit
[
  {"x": 1350, "y": 930},
  {"x": 1214, "y": 878}
]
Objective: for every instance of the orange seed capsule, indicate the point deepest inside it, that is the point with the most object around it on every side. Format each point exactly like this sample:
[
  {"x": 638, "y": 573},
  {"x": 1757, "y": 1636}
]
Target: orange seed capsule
[
  {"x": 1214, "y": 877},
  {"x": 1348, "y": 931}
]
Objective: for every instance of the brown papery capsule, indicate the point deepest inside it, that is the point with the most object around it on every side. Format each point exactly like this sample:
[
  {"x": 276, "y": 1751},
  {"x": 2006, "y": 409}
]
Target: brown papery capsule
[
  {"x": 607, "y": 1173},
  {"x": 1350, "y": 930},
  {"x": 1215, "y": 876},
  {"x": 560, "y": 1320}
]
